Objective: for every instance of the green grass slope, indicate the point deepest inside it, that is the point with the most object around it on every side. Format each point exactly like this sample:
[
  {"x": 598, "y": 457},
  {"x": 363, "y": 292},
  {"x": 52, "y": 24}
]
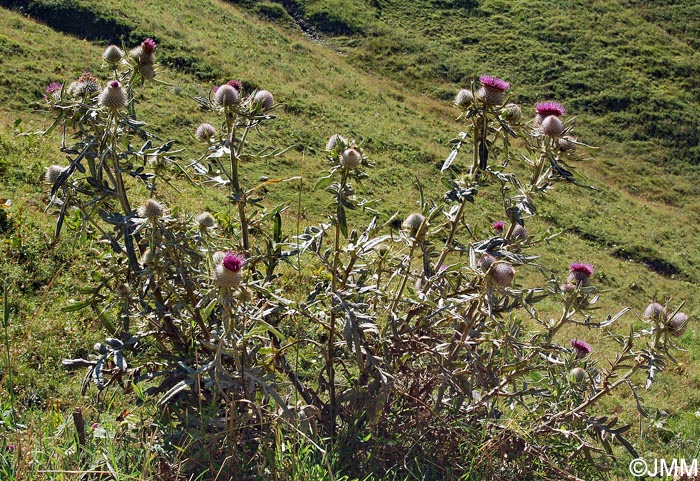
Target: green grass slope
[{"x": 385, "y": 71}]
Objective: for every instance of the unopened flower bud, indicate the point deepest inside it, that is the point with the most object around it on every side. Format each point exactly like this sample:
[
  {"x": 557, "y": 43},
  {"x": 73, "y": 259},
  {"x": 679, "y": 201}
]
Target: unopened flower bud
[
  {"x": 655, "y": 312},
  {"x": 152, "y": 209},
  {"x": 205, "y": 132},
  {"x": 113, "y": 55},
  {"x": 464, "y": 98},
  {"x": 53, "y": 172},
  {"x": 519, "y": 233},
  {"x": 227, "y": 96},
  {"x": 351, "y": 158},
  {"x": 486, "y": 261},
  {"x": 677, "y": 324},
  {"x": 578, "y": 375},
  {"x": 205, "y": 220},
  {"x": 336, "y": 140},
  {"x": 502, "y": 274},
  {"x": 147, "y": 71},
  {"x": 264, "y": 99},
  {"x": 413, "y": 222},
  {"x": 512, "y": 113},
  {"x": 567, "y": 143}
]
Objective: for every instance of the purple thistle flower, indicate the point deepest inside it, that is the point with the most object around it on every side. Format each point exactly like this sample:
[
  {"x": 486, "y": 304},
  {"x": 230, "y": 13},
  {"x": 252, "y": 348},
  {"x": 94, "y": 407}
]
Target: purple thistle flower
[
  {"x": 94, "y": 426},
  {"x": 236, "y": 84},
  {"x": 494, "y": 82},
  {"x": 53, "y": 87},
  {"x": 114, "y": 84},
  {"x": 149, "y": 45},
  {"x": 550, "y": 108},
  {"x": 499, "y": 226},
  {"x": 233, "y": 262},
  {"x": 11, "y": 448},
  {"x": 580, "y": 273},
  {"x": 580, "y": 347},
  {"x": 584, "y": 269}
]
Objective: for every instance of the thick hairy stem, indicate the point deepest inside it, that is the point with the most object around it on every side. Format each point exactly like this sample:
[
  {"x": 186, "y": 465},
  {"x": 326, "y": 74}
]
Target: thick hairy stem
[{"x": 330, "y": 367}]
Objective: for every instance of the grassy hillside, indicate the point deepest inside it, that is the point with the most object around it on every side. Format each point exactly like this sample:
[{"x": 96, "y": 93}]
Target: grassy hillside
[{"x": 384, "y": 71}]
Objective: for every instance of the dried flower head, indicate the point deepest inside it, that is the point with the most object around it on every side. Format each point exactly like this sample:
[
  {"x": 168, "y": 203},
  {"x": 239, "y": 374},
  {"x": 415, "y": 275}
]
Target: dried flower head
[
  {"x": 351, "y": 158},
  {"x": 147, "y": 258},
  {"x": 464, "y": 98},
  {"x": 264, "y": 99},
  {"x": 581, "y": 348},
  {"x": 86, "y": 84},
  {"x": 227, "y": 96},
  {"x": 205, "y": 220},
  {"x": 498, "y": 226},
  {"x": 382, "y": 249},
  {"x": 113, "y": 96},
  {"x": 113, "y": 55},
  {"x": 552, "y": 126},
  {"x": 336, "y": 140},
  {"x": 52, "y": 173},
  {"x": 123, "y": 289},
  {"x": 655, "y": 312},
  {"x": 492, "y": 89},
  {"x": 677, "y": 324},
  {"x": 502, "y": 273},
  {"x": 205, "y": 132},
  {"x": 580, "y": 273},
  {"x": 152, "y": 209}
]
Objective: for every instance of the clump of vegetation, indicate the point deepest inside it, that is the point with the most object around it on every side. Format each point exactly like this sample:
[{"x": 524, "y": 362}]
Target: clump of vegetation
[{"x": 413, "y": 349}]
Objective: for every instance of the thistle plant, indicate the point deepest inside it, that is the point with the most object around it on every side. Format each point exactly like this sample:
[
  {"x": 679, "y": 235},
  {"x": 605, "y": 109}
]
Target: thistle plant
[{"x": 432, "y": 349}]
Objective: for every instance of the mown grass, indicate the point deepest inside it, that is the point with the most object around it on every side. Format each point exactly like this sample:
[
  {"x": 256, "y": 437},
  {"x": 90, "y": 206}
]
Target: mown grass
[{"x": 391, "y": 89}]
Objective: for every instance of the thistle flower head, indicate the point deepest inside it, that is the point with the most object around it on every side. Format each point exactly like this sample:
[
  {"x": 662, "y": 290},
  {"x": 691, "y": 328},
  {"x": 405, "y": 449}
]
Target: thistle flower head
[
  {"x": 512, "y": 113},
  {"x": 205, "y": 220},
  {"x": 236, "y": 84},
  {"x": 205, "y": 132},
  {"x": 519, "y": 232},
  {"x": 677, "y": 324},
  {"x": 494, "y": 83},
  {"x": 550, "y": 108},
  {"x": 147, "y": 71},
  {"x": 54, "y": 90},
  {"x": 113, "y": 55},
  {"x": 502, "y": 274},
  {"x": 581, "y": 348},
  {"x": 152, "y": 209},
  {"x": 655, "y": 312},
  {"x": 413, "y": 222},
  {"x": 580, "y": 273},
  {"x": 486, "y": 261},
  {"x": 336, "y": 140},
  {"x": 464, "y": 98},
  {"x": 577, "y": 375},
  {"x": 52, "y": 173},
  {"x": 498, "y": 226},
  {"x": 149, "y": 45},
  {"x": 113, "y": 96},
  {"x": 552, "y": 126},
  {"x": 226, "y": 96},
  {"x": 567, "y": 287},
  {"x": 233, "y": 261},
  {"x": 567, "y": 143},
  {"x": 264, "y": 99},
  {"x": 351, "y": 158}
]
